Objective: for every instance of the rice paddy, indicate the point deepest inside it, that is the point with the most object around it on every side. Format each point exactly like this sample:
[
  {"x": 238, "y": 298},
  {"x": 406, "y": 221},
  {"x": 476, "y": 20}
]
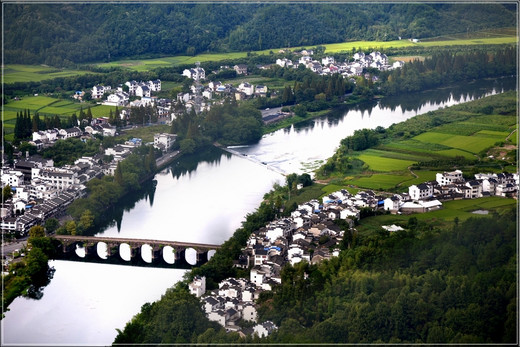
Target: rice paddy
[
  {"x": 35, "y": 73},
  {"x": 388, "y": 164},
  {"x": 45, "y": 105}
]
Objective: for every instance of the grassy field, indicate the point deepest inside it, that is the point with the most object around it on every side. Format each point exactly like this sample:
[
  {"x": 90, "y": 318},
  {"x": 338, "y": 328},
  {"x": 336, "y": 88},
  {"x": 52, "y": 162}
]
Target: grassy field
[
  {"x": 386, "y": 181},
  {"x": 36, "y": 73},
  {"x": 378, "y": 163},
  {"x": 149, "y": 64},
  {"x": 146, "y": 133},
  {"x": 461, "y": 209},
  {"x": 380, "y": 181},
  {"x": 45, "y": 105},
  {"x": 472, "y": 144}
]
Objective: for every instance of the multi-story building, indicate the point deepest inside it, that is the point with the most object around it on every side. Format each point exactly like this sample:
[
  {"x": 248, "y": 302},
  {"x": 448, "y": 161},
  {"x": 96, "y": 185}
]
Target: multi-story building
[
  {"x": 447, "y": 178},
  {"x": 164, "y": 141}
]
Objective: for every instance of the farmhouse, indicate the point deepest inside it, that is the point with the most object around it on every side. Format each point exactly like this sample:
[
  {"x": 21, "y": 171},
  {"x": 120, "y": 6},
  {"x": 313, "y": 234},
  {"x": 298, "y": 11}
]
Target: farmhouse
[
  {"x": 241, "y": 69},
  {"x": 164, "y": 141},
  {"x": 197, "y": 73},
  {"x": 98, "y": 91}
]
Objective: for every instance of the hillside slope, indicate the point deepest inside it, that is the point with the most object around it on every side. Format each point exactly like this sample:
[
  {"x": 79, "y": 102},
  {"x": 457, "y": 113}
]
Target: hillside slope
[{"x": 65, "y": 34}]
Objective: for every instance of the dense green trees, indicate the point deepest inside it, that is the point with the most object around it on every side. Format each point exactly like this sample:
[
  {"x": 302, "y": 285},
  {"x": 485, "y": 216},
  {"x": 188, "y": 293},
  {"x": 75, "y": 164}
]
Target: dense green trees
[
  {"x": 109, "y": 32},
  {"x": 425, "y": 284},
  {"x": 227, "y": 124},
  {"x": 448, "y": 66},
  {"x": 104, "y": 193},
  {"x": 67, "y": 151},
  {"x": 28, "y": 276}
]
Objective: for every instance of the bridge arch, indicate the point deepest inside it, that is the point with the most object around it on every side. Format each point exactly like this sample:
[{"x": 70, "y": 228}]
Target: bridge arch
[
  {"x": 125, "y": 251},
  {"x": 190, "y": 255},
  {"x": 79, "y": 249},
  {"x": 168, "y": 255},
  {"x": 146, "y": 252},
  {"x": 102, "y": 250}
]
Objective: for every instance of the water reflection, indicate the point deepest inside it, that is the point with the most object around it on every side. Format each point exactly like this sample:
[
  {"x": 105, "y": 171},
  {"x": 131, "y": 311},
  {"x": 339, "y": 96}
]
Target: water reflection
[
  {"x": 189, "y": 163},
  {"x": 460, "y": 92}
]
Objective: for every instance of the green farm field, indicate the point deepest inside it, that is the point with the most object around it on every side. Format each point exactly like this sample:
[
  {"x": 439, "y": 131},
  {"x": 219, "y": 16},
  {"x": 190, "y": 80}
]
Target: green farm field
[
  {"x": 378, "y": 163},
  {"x": 35, "y": 73},
  {"x": 388, "y": 163},
  {"x": 149, "y": 64},
  {"x": 461, "y": 209},
  {"x": 472, "y": 144},
  {"x": 50, "y": 106},
  {"x": 380, "y": 181}
]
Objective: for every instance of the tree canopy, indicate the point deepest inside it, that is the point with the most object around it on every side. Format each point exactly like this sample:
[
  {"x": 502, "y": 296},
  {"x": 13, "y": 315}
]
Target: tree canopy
[{"x": 59, "y": 35}]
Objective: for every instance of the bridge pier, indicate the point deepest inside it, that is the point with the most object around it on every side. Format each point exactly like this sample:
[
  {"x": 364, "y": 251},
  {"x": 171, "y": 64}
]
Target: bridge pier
[
  {"x": 157, "y": 255},
  {"x": 91, "y": 251},
  {"x": 202, "y": 257},
  {"x": 180, "y": 257},
  {"x": 135, "y": 254}
]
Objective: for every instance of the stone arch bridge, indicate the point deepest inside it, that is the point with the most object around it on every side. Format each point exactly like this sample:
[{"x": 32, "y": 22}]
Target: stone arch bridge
[{"x": 155, "y": 252}]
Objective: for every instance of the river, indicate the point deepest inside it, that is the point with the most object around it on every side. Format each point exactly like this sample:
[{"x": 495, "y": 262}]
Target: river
[{"x": 198, "y": 198}]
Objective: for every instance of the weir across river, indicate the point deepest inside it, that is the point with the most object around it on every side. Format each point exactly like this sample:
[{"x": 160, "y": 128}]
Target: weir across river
[{"x": 154, "y": 255}]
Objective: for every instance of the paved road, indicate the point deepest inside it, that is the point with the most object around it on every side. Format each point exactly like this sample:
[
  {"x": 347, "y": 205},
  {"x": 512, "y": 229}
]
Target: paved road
[
  {"x": 8, "y": 249},
  {"x": 167, "y": 157},
  {"x": 271, "y": 111}
]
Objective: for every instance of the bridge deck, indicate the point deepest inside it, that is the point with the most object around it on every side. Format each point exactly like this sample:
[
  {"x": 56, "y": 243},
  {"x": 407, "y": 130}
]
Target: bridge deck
[{"x": 140, "y": 241}]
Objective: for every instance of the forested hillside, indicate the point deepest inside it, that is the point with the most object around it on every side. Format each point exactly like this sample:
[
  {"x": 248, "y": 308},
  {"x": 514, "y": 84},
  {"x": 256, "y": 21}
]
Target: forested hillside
[{"x": 66, "y": 34}]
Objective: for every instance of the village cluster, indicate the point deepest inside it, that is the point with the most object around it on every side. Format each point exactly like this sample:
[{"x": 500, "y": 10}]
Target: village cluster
[
  {"x": 310, "y": 235},
  {"x": 201, "y": 97},
  {"x": 328, "y": 65},
  {"x": 42, "y": 191}
]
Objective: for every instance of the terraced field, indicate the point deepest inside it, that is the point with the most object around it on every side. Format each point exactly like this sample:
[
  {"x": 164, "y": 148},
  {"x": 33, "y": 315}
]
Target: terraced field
[
  {"x": 36, "y": 73},
  {"x": 46, "y": 106},
  {"x": 389, "y": 163}
]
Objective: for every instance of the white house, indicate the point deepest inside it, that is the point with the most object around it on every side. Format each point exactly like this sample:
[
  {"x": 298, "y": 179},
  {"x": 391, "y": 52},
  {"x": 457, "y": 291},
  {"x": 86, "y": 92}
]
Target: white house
[
  {"x": 196, "y": 73},
  {"x": 241, "y": 69},
  {"x": 246, "y": 88},
  {"x": 447, "y": 178},
  {"x": 284, "y": 62},
  {"x": 327, "y": 60},
  {"x": 350, "y": 212},
  {"x": 261, "y": 90},
  {"x": 164, "y": 141},
  {"x": 70, "y": 132},
  {"x": 249, "y": 312},
  {"x": 218, "y": 316},
  {"x": 259, "y": 273},
  {"x": 12, "y": 178},
  {"x": 155, "y": 85},
  {"x": 421, "y": 191},
  {"x": 98, "y": 91},
  {"x": 476, "y": 189},
  {"x": 264, "y": 329},
  {"x": 117, "y": 99},
  {"x": 143, "y": 91},
  {"x": 392, "y": 204},
  {"x": 198, "y": 286},
  {"x": 397, "y": 64}
]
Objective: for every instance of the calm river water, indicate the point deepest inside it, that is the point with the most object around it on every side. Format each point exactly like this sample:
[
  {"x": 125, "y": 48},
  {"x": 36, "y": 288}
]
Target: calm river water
[{"x": 200, "y": 198}]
